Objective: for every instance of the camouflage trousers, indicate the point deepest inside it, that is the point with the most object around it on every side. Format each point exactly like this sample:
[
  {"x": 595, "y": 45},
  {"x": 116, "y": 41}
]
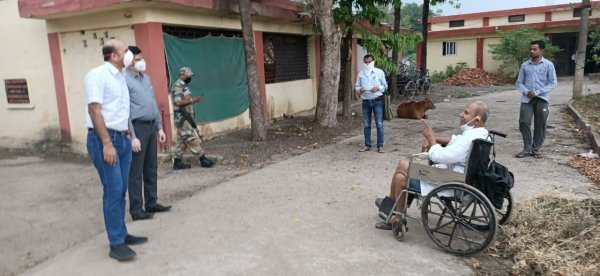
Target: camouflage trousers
[{"x": 187, "y": 138}]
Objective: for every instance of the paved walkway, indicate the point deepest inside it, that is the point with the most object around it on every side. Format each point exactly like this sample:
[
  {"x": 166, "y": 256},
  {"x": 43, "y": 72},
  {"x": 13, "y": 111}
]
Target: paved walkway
[{"x": 314, "y": 214}]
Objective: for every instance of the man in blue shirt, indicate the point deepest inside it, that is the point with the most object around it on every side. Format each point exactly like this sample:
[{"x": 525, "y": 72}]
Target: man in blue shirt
[
  {"x": 537, "y": 77},
  {"x": 146, "y": 121},
  {"x": 370, "y": 85}
]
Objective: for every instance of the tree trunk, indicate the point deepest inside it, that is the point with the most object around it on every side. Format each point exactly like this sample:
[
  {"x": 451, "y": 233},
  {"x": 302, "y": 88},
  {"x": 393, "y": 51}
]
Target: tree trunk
[
  {"x": 425, "y": 21},
  {"x": 581, "y": 49},
  {"x": 257, "y": 119},
  {"x": 348, "y": 87},
  {"x": 394, "y": 77},
  {"x": 326, "y": 110}
]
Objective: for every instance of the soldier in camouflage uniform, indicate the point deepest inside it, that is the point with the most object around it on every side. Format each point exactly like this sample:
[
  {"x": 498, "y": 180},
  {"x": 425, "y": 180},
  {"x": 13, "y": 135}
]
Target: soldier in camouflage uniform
[{"x": 182, "y": 98}]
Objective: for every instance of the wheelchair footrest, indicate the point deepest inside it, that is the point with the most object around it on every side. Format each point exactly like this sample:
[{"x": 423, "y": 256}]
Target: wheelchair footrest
[
  {"x": 383, "y": 216},
  {"x": 386, "y": 206}
]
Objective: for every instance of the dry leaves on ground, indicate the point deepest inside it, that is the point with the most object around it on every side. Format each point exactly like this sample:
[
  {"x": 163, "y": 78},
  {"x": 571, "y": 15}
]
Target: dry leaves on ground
[
  {"x": 590, "y": 167},
  {"x": 473, "y": 77},
  {"x": 550, "y": 235}
]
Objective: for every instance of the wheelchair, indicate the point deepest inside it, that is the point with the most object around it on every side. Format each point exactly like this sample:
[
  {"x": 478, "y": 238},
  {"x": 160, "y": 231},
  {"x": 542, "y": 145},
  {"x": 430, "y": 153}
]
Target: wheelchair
[{"x": 457, "y": 216}]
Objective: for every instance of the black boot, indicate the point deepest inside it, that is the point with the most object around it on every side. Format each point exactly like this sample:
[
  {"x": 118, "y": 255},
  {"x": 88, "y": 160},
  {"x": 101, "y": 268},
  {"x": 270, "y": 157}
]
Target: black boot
[
  {"x": 179, "y": 165},
  {"x": 205, "y": 162}
]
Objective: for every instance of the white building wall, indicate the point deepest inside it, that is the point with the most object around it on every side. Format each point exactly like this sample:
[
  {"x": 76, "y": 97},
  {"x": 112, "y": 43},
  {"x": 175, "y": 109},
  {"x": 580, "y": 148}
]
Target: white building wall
[
  {"x": 489, "y": 64},
  {"x": 529, "y": 18},
  {"x": 80, "y": 53},
  {"x": 466, "y": 51},
  {"x": 293, "y": 96},
  {"x": 444, "y": 26},
  {"x": 26, "y": 55}
]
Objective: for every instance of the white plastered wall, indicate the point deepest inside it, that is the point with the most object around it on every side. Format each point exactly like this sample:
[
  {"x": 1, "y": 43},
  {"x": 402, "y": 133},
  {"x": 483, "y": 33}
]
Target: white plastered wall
[
  {"x": 466, "y": 51},
  {"x": 568, "y": 15},
  {"x": 25, "y": 55},
  {"x": 80, "y": 52},
  {"x": 529, "y": 18},
  {"x": 286, "y": 97},
  {"x": 489, "y": 64},
  {"x": 444, "y": 26}
]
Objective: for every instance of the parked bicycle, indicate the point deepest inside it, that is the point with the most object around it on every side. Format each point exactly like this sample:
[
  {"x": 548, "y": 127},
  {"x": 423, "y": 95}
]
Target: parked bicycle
[{"x": 410, "y": 82}]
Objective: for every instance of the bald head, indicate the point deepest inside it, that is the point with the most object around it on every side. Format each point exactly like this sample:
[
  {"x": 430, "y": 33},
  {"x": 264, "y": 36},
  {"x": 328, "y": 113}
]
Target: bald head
[
  {"x": 113, "y": 52},
  {"x": 475, "y": 114},
  {"x": 481, "y": 110}
]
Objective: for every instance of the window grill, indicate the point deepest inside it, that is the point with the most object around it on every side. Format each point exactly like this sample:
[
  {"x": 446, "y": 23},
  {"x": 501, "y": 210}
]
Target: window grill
[
  {"x": 577, "y": 12},
  {"x": 516, "y": 18},
  {"x": 456, "y": 23},
  {"x": 448, "y": 48},
  {"x": 286, "y": 58}
]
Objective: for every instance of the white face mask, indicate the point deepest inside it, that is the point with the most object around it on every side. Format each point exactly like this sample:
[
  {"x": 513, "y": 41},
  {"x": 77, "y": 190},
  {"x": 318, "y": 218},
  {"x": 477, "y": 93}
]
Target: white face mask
[
  {"x": 140, "y": 66},
  {"x": 370, "y": 66},
  {"x": 128, "y": 59},
  {"x": 466, "y": 126}
]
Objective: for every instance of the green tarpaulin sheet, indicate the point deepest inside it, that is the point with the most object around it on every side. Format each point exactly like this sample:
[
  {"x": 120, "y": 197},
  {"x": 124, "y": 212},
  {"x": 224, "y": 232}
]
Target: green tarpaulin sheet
[{"x": 220, "y": 74}]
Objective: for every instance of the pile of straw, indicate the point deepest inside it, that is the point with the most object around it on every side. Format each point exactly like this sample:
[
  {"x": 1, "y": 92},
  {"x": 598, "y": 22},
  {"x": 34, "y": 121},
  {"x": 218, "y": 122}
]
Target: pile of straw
[{"x": 550, "y": 235}]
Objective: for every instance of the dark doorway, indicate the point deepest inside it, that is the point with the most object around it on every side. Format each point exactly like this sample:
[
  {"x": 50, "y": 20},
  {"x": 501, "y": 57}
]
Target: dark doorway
[{"x": 564, "y": 61}]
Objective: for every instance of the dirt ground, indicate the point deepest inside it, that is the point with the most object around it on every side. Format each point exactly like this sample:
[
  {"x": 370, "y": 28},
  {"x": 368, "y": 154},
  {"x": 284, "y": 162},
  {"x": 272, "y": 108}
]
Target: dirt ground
[
  {"x": 78, "y": 188},
  {"x": 295, "y": 135}
]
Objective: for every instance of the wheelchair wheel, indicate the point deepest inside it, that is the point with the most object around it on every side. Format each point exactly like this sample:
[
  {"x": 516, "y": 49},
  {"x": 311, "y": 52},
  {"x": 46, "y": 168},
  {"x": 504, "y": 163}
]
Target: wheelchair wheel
[
  {"x": 399, "y": 229},
  {"x": 410, "y": 89},
  {"x": 459, "y": 218},
  {"x": 504, "y": 213}
]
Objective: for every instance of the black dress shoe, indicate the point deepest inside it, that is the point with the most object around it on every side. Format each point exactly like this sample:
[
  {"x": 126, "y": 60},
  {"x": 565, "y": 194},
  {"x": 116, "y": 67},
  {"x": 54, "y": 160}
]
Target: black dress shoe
[
  {"x": 121, "y": 252},
  {"x": 141, "y": 215},
  {"x": 133, "y": 240},
  {"x": 157, "y": 208}
]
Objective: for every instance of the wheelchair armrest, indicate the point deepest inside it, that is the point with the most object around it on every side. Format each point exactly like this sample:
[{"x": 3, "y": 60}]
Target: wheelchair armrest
[
  {"x": 495, "y": 132},
  {"x": 419, "y": 156}
]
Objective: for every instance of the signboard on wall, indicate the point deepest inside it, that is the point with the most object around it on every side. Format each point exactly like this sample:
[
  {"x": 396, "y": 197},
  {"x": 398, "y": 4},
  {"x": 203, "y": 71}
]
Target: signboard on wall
[{"x": 16, "y": 91}]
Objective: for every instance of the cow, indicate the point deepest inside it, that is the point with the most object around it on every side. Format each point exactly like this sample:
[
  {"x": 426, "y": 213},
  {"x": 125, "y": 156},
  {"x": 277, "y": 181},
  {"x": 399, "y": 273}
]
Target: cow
[{"x": 415, "y": 110}]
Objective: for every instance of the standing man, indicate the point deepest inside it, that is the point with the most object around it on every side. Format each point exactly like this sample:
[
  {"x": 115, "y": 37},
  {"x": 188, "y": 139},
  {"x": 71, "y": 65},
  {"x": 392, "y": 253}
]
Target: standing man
[
  {"x": 537, "y": 77},
  {"x": 108, "y": 146},
  {"x": 370, "y": 85},
  {"x": 146, "y": 122},
  {"x": 182, "y": 100}
]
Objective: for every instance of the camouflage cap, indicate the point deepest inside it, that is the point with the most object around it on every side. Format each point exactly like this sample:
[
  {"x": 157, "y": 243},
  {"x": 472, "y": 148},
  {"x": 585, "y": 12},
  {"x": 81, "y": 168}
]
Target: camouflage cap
[{"x": 186, "y": 70}]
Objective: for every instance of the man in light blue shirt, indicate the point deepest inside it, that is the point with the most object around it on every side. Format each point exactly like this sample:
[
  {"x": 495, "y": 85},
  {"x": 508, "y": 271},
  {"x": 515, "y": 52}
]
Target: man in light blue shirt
[
  {"x": 370, "y": 85},
  {"x": 537, "y": 77}
]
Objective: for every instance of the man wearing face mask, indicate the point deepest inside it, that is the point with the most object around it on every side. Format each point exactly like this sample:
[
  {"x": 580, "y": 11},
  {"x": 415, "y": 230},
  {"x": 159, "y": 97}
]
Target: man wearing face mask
[
  {"x": 146, "y": 122},
  {"x": 182, "y": 98},
  {"x": 108, "y": 144},
  {"x": 370, "y": 85},
  {"x": 453, "y": 155}
]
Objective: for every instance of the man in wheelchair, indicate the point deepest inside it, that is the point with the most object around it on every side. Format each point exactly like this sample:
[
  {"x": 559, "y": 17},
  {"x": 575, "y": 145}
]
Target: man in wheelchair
[{"x": 445, "y": 151}]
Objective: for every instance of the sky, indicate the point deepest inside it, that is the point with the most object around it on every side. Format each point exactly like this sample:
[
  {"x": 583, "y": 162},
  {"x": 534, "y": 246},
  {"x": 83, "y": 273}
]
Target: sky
[{"x": 471, "y": 6}]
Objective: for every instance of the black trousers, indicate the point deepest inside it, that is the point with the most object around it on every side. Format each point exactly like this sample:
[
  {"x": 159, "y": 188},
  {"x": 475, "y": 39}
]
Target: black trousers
[
  {"x": 143, "y": 169},
  {"x": 536, "y": 109}
]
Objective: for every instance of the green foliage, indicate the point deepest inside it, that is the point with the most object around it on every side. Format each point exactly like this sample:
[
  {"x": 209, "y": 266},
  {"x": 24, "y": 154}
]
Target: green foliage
[
  {"x": 380, "y": 45},
  {"x": 347, "y": 11},
  {"x": 595, "y": 41},
  {"x": 410, "y": 14},
  {"x": 438, "y": 77},
  {"x": 513, "y": 49}
]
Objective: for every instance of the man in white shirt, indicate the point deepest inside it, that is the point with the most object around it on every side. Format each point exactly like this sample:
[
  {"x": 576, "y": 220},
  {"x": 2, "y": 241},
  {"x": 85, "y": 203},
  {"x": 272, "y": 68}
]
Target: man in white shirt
[
  {"x": 370, "y": 85},
  {"x": 108, "y": 145},
  {"x": 454, "y": 154}
]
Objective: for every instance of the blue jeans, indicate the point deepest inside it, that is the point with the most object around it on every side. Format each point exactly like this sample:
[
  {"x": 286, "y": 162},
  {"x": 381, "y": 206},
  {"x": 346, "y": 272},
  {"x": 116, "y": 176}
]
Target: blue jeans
[
  {"x": 377, "y": 108},
  {"x": 114, "y": 183}
]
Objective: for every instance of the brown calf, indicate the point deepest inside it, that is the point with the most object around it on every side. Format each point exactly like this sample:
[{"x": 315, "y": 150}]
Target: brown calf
[{"x": 414, "y": 110}]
